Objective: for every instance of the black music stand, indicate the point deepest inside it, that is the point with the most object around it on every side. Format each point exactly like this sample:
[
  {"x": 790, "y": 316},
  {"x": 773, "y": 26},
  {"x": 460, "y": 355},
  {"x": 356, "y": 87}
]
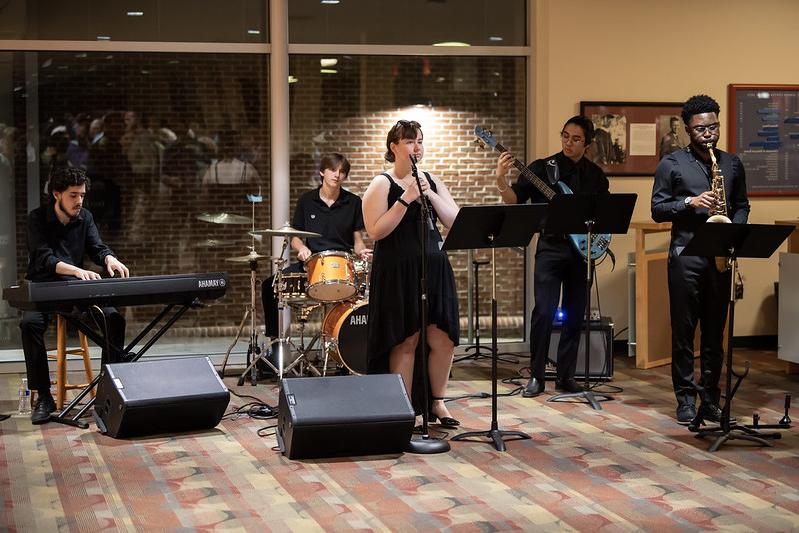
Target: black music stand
[
  {"x": 589, "y": 214},
  {"x": 494, "y": 226},
  {"x": 734, "y": 241}
]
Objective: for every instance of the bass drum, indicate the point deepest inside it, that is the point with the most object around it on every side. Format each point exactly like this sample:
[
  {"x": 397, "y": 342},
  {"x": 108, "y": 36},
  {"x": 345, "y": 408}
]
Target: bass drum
[{"x": 344, "y": 329}]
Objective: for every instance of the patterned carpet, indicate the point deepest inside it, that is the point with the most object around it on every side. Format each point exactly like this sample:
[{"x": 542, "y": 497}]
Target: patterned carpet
[{"x": 628, "y": 467}]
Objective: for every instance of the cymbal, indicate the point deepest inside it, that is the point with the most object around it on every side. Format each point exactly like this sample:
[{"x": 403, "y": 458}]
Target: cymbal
[
  {"x": 212, "y": 243},
  {"x": 252, "y": 256},
  {"x": 223, "y": 218},
  {"x": 285, "y": 231}
]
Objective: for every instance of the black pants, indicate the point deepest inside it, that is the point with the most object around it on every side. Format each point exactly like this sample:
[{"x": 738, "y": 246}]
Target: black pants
[
  {"x": 34, "y": 324},
  {"x": 269, "y": 300},
  {"x": 557, "y": 263},
  {"x": 698, "y": 293}
]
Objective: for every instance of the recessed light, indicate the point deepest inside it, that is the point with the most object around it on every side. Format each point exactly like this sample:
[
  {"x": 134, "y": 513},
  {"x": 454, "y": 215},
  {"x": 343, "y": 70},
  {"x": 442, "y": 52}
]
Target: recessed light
[
  {"x": 330, "y": 2},
  {"x": 451, "y": 43},
  {"x": 135, "y": 13},
  {"x": 103, "y": 38},
  {"x": 495, "y": 38},
  {"x": 254, "y": 32},
  {"x": 328, "y": 62},
  {"x": 328, "y": 71},
  {"x": 293, "y": 79}
]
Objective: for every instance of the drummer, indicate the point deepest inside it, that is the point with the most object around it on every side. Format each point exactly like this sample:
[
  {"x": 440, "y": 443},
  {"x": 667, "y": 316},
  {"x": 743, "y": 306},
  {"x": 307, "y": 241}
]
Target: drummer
[{"x": 334, "y": 213}]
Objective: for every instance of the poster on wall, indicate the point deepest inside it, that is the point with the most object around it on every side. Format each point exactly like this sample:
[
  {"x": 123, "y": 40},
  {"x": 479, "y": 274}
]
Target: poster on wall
[
  {"x": 631, "y": 137},
  {"x": 764, "y": 133}
]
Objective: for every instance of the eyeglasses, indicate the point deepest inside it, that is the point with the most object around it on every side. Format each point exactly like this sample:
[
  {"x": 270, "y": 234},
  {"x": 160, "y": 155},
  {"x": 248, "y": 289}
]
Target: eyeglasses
[
  {"x": 712, "y": 128},
  {"x": 408, "y": 124},
  {"x": 565, "y": 137}
]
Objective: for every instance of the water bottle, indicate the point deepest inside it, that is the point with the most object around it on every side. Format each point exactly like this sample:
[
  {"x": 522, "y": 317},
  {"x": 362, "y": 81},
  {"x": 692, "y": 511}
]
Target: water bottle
[{"x": 24, "y": 397}]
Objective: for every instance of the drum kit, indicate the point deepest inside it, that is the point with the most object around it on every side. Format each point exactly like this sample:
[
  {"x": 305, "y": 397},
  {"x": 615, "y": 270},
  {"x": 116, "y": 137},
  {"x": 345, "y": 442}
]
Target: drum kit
[{"x": 335, "y": 281}]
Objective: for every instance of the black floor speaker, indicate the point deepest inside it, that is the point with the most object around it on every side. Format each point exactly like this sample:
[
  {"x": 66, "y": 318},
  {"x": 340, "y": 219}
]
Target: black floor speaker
[
  {"x": 343, "y": 416},
  {"x": 601, "y": 365},
  {"x": 159, "y": 396}
]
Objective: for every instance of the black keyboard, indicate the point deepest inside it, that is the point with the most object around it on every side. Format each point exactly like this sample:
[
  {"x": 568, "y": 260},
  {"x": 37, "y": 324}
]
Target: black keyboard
[{"x": 48, "y": 296}]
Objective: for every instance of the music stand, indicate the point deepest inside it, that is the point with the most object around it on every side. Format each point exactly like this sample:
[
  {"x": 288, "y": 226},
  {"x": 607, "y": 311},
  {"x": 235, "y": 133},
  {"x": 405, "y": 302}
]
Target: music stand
[
  {"x": 589, "y": 214},
  {"x": 734, "y": 241},
  {"x": 494, "y": 226}
]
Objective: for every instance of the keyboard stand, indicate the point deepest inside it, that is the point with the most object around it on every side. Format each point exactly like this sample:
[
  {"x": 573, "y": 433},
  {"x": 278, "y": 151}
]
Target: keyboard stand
[{"x": 128, "y": 355}]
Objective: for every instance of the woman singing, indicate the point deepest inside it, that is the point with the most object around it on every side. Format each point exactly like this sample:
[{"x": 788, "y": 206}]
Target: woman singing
[{"x": 391, "y": 215}]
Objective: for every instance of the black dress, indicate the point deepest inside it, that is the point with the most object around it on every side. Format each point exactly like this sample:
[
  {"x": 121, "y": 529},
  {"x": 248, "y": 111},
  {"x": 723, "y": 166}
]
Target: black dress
[{"x": 394, "y": 285}]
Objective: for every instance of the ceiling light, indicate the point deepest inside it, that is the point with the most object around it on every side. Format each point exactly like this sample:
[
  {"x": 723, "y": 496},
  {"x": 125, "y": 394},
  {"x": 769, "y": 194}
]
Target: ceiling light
[
  {"x": 328, "y": 71},
  {"x": 451, "y": 43},
  {"x": 328, "y": 62},
  {"x": 495, "y": 38},
  {"x": 135, "y": 13},
  {"x": 330, "y": 2},
  {"x": 103, "y": 38},
  {"x": 293, "y": 79},
  {"x": 254, "y": 32}
]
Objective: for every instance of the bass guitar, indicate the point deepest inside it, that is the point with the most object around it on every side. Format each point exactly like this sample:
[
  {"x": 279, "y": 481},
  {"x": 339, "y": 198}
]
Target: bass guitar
[{"x": 599, "y": 242}]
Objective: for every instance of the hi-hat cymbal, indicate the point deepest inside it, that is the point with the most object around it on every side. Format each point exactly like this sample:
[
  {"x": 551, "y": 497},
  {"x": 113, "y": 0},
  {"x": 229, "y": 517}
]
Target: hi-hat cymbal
[
  {"x": 223, "y": 218},
  {"x": 285, "y": 231},
  {"x": 252, "y": 256}
]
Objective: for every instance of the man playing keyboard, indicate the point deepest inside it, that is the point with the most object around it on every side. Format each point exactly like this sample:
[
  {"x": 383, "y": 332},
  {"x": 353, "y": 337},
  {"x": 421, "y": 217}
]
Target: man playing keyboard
[{"x": 60, "y": 235}]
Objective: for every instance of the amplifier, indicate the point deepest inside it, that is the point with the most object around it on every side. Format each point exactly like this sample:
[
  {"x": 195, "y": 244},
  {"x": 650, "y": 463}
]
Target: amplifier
[{"x": 601, "y": 365}]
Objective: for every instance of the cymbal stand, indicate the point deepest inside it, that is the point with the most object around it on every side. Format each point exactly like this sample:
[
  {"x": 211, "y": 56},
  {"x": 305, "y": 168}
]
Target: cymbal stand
[
  {"x": 281, "y": 346},
  {"x": 303, "y": 360}
]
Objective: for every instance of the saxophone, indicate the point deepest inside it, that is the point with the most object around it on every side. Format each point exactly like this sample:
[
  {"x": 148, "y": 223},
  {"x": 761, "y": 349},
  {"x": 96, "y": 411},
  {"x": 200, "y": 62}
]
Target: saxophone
[{"x": 718, "y": 212}]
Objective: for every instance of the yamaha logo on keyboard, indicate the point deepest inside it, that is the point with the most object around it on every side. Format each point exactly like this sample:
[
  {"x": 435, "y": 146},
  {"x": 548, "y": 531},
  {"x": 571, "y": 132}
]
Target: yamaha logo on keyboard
[{"x": 210, "y": 283}]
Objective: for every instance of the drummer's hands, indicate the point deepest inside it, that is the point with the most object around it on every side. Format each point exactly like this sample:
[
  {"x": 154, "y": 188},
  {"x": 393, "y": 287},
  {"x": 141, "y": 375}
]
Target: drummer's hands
[
  {"x": 365, "y": 254},
  {"x": 114, "y": 266},
  {"x": 303, "y": 253}
]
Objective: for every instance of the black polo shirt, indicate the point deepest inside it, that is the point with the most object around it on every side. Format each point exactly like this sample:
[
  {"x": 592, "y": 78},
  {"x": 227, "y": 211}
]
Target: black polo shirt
[
  {"x": 50, "y": 242},
  {"x": 336, "y": 223}
]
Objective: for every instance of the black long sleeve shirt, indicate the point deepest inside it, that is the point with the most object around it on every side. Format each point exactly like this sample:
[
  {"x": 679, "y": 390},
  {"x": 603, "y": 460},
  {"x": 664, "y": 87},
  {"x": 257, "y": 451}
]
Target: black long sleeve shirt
[
  {"x": 680, "y": 175},
  {"x": 51, "y": 242}
]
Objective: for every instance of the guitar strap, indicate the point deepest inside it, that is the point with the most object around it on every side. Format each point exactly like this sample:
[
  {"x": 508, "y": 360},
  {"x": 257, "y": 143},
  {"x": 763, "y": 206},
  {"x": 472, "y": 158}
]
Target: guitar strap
[{"x": 553, "y": 173}]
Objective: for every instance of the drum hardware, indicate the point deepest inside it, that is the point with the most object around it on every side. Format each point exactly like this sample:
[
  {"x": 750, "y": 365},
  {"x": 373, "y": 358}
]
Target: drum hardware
[
  {"x": 212, "y": 243},
  {"x": 254, "y": 350}
]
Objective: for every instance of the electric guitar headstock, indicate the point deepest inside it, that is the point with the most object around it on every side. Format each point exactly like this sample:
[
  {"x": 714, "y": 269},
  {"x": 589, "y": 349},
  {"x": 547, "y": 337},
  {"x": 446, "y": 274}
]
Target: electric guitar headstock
[{"x": 485, "y": 137}]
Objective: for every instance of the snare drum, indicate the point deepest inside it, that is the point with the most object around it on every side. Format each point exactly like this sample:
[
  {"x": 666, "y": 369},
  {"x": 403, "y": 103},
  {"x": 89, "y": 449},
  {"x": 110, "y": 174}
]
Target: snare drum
[
  {"x": 292, "y": 288},
  {"x": 330, "y": 276},
  {"x": 344, "y": 329}
]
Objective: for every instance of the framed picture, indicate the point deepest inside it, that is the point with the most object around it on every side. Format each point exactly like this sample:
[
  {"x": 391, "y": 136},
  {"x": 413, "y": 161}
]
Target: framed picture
[
  {"x": 631, "y": 137},
  {"x": 764, "y": 133}
]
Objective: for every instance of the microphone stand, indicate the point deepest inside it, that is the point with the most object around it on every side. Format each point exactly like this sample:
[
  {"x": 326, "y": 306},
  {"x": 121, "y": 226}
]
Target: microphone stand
[{"x": 427, "y": 444}]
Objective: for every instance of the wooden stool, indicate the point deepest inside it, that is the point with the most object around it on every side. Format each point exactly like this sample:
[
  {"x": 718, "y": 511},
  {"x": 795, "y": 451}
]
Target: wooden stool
[{"x": 61, "y": 384}]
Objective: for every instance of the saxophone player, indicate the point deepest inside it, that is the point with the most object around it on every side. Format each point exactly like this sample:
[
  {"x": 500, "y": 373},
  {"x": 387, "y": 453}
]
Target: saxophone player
[{"x": 698, "y": 292}]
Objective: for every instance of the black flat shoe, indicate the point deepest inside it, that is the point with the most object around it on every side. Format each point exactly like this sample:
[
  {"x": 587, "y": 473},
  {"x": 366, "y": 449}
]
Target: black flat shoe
[{"x": 569, "y": 385}]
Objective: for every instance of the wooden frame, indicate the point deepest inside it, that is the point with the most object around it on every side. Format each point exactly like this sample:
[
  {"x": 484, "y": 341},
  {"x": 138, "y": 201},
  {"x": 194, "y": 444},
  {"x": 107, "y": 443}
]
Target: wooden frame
[
  {"x": 763, "y": 131},
  {"x": 631, "y": 137}
]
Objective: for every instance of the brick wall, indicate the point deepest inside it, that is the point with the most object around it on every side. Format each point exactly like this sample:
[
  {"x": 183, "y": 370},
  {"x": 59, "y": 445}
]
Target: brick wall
[{"x": 349, "y": 112}]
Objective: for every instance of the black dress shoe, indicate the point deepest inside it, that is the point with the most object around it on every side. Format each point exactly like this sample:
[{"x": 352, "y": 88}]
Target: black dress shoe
[
  {"x": 443, "y": 421},
  {"x": 686, "y": 412},
  {"x": 41, "y": 411},
  {"x": 711, "y": 412},
  {"x": 569, "y": 385},
  {"x": 533, "y": 388}
]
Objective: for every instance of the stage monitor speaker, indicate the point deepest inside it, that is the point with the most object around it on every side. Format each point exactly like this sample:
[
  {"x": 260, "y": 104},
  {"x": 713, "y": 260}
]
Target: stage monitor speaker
[
  {"x": 343, "y": 416},
  {"x": 601, "y": 364},
  {"x": 159, "y": 396}
]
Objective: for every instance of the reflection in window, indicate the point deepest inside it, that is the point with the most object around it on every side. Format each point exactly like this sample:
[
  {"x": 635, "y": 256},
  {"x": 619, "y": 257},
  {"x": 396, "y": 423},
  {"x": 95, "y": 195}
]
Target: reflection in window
[
  {"x": 347, "y": 104},
  {"x": 164, "y": 138}
]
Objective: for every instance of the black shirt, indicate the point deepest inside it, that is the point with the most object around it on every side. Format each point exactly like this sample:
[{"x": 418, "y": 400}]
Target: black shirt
[
  {"x": 680, "y": 175},
  {"x": 336, "y": 223},
  {"x": 582, "y": 177},
  {"x": 51, "y": 242}
]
